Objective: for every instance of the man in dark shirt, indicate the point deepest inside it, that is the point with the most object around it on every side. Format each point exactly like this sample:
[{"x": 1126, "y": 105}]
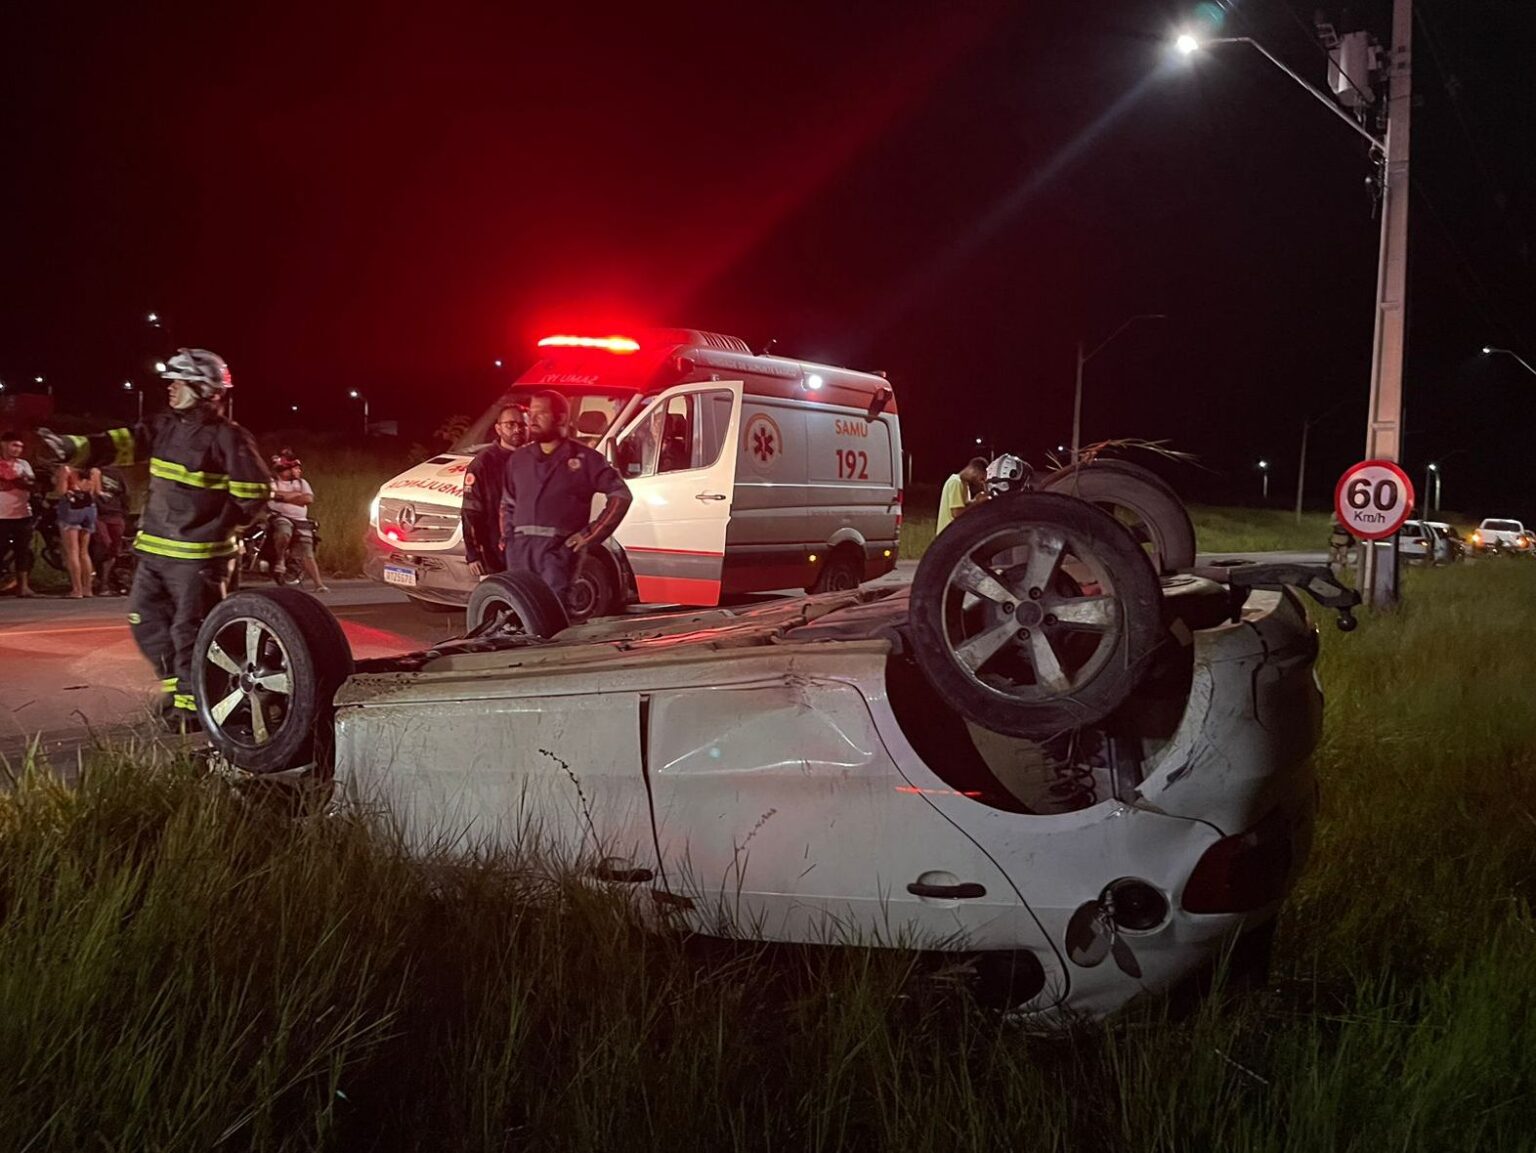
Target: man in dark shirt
[
  {"x": 481, "y": 513},
  {"x": 549, "y": 488}
]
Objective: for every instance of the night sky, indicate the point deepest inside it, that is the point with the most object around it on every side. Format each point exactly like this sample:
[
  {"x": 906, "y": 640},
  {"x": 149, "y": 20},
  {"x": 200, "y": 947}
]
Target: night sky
[{"x": 389, "y": 197}]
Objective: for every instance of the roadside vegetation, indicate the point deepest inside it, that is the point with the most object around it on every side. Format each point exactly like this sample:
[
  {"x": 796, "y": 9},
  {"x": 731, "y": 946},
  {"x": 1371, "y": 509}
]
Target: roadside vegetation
[{"x": 181, "y": 969}]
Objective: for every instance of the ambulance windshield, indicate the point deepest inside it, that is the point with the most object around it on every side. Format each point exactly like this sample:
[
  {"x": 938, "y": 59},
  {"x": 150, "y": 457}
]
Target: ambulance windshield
[{"x": 592, "y": 411}]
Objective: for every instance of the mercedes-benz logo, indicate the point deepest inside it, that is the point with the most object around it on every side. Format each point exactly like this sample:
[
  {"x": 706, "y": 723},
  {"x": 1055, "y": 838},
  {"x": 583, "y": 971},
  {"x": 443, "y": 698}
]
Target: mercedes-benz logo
[{"x": 408, "y": 517}]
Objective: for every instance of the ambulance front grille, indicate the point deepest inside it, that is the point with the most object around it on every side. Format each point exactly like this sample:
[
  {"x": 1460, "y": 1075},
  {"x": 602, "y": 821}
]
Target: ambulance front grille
[{"x": 417, "y": 523}]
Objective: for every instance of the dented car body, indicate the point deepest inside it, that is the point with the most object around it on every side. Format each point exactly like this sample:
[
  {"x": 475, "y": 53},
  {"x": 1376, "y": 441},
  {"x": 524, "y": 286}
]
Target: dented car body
[{"x": 782, "y": 772}]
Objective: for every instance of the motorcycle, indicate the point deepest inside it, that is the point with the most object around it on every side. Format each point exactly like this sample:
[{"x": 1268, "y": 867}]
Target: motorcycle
[{"x": 255, "y": 554}]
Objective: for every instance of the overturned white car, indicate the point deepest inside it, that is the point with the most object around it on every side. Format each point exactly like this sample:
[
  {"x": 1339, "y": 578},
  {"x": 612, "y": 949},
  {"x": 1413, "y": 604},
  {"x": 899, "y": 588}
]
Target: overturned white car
[{"x": 1042, "y": 753}]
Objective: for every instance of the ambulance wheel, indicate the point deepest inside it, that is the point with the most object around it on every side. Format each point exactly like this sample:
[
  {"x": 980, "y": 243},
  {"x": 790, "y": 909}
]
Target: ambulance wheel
[
  {"x": 265, "y": 670},
  {"x": 594, "y": 590},
  {"x": 517, "y": 603},
  {"x": 842, "y": 570},
  {"x": 1138, "y": 498},
  {"x": 1035, "y": 614}
]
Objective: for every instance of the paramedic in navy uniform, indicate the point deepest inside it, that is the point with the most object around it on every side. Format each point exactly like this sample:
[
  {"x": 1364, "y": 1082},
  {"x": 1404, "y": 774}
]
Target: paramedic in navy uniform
[{"x": 550, "y": 483}]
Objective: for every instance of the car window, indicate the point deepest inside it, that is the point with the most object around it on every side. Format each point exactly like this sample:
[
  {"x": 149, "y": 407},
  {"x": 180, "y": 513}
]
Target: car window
[
  {"x": 685, "y": 431},
  {"x": 1411, "y": 531},
  {"x": 1502, "y": 525}
]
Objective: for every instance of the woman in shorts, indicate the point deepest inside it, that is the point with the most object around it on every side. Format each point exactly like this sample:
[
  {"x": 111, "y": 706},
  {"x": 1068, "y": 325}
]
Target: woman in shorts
[{"x": 77, "y": 523}]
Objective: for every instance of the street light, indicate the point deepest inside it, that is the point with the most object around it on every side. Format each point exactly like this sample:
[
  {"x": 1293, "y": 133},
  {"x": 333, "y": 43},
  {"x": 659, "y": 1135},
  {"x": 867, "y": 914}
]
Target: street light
[
  {"x": 1188, "y": 44},
  {"x": 498, "y": 362},
  {"x": 355, "y": 395},
  {"x": 1077, "y": 393},
  {"x": 128, "y": 387},
  {"x": 154, "y": 319},
  {"x": 1264, "y": 472},
  {"x": 1432, "y": 472},
  {"x": 1489, "y": 350},
  {"x": 1378, "y": 583}
]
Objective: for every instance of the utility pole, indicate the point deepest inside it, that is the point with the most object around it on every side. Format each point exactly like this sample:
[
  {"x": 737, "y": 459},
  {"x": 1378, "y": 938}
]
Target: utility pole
[
  {"x": 1084, "y": 358},
  {"x": 1301, "y": 468},
  {"x": 1384, "y": 433}
]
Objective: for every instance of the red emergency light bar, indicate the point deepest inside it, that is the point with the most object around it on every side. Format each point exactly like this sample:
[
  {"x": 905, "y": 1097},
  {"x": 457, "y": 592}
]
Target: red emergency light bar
[{"x": 619, "y": 344}]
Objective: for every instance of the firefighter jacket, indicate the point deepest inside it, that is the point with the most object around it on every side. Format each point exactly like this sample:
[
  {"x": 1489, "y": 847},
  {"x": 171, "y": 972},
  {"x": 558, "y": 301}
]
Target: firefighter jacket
[{"x": 207, "y": 480}]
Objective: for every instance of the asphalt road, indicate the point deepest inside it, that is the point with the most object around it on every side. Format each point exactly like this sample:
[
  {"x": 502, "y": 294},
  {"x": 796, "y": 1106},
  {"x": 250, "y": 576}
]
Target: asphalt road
[
  {"x": 69, "y": 667},
  {"x": 69, "y": 670}
]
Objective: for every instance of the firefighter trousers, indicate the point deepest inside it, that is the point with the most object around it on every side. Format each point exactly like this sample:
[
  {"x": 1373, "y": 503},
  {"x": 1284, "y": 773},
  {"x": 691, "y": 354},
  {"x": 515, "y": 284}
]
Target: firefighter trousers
[{"x": 169, "y": 600}]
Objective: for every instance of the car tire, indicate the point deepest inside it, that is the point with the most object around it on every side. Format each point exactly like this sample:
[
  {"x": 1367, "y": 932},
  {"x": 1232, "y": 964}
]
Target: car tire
[
  {"x": 841, "y": 571},
  {"x": 594, "y": 590},
  {"x": 1138, "y": 498},
  {"x": 1034, "y": 659},
  {"x": 520, "y": 601},
  {"x": 265, "y": 668}
]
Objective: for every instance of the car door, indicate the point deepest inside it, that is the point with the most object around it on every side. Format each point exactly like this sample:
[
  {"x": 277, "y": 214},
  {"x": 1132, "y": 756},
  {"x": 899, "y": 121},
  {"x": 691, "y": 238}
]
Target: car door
[
  {"x": 780, "y": 816},
  {"x": 678, "y": 456},
  {"x": 495, "y": 768}
]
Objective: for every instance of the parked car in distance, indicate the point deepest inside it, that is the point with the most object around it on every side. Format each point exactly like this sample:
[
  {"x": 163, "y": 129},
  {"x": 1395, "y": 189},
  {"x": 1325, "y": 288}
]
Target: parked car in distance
[
  {"x": 1455, "y": 544},
  {"x": 1497, "y": 535},
  {"x": 1424, "y": 542}
]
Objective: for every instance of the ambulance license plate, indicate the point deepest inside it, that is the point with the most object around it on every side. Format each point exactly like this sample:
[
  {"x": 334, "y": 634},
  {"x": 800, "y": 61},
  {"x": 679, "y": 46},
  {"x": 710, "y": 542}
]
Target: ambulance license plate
[{"x": 398, "y": 575}]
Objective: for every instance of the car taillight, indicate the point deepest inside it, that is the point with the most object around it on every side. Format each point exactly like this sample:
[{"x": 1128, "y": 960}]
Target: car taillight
[{"x": 1243, "y": 872}]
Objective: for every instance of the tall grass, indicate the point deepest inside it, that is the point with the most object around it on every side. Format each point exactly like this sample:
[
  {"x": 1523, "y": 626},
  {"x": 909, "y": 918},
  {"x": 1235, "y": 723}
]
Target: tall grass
[{"x": 181, "y": 969}]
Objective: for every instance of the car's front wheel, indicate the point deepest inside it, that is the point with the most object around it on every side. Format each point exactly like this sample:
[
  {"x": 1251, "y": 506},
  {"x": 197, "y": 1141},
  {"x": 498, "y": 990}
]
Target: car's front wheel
[
  {"x": 515, "y": 602},
  {"x": 266, "y": 667}
]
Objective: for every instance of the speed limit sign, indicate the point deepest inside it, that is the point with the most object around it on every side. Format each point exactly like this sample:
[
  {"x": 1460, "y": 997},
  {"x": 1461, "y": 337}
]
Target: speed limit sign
[{"x": 1373, "y": 499}]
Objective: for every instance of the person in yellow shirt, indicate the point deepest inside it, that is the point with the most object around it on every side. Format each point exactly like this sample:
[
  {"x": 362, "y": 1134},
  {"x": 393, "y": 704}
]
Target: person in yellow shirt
[{"x": 962, "y": 490}]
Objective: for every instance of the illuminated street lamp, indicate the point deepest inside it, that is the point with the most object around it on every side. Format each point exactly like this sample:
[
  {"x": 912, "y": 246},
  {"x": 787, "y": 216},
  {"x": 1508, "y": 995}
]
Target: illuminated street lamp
[
  {"x": 128, "y": 387},
  {"x": 1264, "y": 472},
  {"x": 498, "y": 362},
  {"x": 1432, "y": 473},
  {"x": 159, "y": 366},
  {"x": 154, "y": 319},
  {"x": 1489, "y": 350},
  {"x": 355, "y": 395}
]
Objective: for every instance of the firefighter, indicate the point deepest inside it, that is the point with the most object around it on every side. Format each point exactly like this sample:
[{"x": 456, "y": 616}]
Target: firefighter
[
  {"x": 481, "y": 514},
  {"x": 207, "y": 482},
  {"x": 548, "y": 490}
]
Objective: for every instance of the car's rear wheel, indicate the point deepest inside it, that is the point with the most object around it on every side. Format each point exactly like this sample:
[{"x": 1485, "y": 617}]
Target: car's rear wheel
[
  {"x": 841, "y": 571},
  {"x": 1035, "y": 614},
  {"x": 1138, "y": 498},
  {"x": 266, "y": 667},
  {"x": 515, "y": 603}
]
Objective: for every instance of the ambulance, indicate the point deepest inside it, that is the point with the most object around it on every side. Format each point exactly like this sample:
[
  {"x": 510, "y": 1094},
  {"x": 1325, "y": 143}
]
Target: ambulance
[{"x": 750, "y": 473}]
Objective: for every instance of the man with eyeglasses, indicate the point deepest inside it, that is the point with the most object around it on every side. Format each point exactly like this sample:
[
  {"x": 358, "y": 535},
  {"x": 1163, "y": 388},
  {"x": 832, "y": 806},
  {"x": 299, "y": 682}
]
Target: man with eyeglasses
[{"x": 480, "y": 513}]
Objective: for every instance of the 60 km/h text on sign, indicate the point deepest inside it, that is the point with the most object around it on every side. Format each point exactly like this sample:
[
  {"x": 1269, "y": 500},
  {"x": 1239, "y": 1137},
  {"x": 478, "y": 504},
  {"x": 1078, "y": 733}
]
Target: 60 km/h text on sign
[{"x": 1373, "y": 499}]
